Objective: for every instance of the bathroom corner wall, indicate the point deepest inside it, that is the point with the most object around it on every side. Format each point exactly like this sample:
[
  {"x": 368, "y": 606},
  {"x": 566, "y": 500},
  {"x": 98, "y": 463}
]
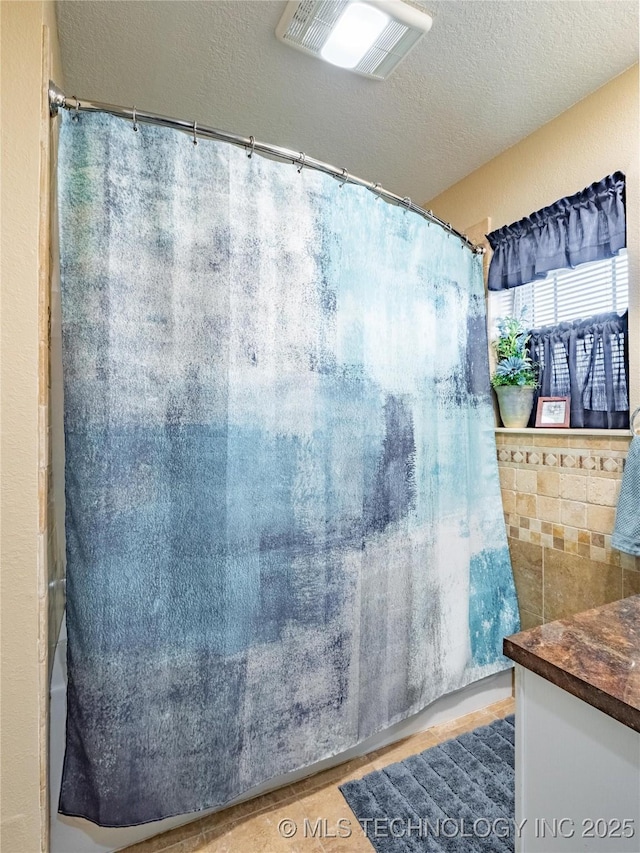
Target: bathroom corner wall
[
  {"x": 594, "y": 138},
  {"x": 559, "y": 495},
  {"x": 559, "y": 491},
  {"x": 30, "y": 55}
]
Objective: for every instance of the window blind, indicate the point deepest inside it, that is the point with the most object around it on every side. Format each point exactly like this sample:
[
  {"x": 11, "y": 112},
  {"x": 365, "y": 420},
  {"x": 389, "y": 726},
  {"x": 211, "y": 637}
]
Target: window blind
[{"x": 592, "y": 288}]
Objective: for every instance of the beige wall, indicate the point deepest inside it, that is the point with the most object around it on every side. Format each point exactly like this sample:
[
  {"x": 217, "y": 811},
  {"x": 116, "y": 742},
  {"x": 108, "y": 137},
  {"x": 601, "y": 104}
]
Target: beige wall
[
  {"x": 592, "y": 139},
  {"x": 29, "y": 45}
]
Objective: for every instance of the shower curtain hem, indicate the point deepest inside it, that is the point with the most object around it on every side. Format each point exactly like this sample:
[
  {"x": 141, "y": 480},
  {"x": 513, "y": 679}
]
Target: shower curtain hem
[{"x": 485, "y": 671}]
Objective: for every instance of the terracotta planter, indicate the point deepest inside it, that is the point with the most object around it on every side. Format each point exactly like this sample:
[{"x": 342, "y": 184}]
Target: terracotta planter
[{"x": 515, "y": 402}]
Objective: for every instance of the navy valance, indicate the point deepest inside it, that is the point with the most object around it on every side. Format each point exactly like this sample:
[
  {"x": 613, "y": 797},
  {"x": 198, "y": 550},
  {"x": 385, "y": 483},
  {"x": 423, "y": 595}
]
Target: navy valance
[{"x": 587, "y": 226}]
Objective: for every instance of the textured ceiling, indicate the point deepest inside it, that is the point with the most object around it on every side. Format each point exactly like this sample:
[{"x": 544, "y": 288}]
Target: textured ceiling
[{"x": 488, "y": 74}]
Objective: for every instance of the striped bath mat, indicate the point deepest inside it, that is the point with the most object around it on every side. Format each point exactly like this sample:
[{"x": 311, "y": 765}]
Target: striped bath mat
[{"x": 457, "y": 797}]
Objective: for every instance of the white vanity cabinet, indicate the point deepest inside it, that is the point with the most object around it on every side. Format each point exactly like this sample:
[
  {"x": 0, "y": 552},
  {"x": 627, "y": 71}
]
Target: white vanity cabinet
[{"x": 577, "y": 759}]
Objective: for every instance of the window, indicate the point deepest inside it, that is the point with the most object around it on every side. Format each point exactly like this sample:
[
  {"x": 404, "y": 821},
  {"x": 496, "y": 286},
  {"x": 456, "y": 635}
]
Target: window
[
  {"x": 579, "y": 338},
  {"x": 563, "y": 271},
  {"x": 567, "y": 294}
]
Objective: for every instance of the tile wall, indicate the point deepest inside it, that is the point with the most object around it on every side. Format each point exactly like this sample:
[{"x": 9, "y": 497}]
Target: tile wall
[{"x": 559, "y": 494}]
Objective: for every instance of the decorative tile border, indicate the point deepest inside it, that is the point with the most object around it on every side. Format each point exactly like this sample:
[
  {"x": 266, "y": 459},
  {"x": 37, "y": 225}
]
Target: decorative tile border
[
  {"x": 556, "y": 459},
  {"x": 572, "y": 540}
]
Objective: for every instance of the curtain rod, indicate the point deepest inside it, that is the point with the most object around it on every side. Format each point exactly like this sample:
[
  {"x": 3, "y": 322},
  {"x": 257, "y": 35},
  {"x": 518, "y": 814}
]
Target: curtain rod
[{"x": 58, "y": 100}]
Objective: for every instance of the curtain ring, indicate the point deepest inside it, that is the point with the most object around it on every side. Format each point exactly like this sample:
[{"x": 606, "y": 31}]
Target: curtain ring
[
  {"x": 374, "y": 189},
  {"x": 76, "y": 112},
  {"x": 407, "y": 203},
  {"x": 135, "y": 123},
  {"x": 345, "y": 175},
  {"x": 302, "y": 159},
  {"x": 195, "y": 131},
  {"x": 253, "y": 145}
]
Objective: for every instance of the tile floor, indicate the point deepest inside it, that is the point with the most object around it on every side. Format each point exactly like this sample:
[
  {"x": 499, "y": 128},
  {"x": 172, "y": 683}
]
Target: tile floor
[{"x": 252, "y": 827}]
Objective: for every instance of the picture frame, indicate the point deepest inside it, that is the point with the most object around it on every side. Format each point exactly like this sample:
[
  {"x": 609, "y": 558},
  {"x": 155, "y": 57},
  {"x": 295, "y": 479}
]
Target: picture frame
[{"x": 553, "y": 412}]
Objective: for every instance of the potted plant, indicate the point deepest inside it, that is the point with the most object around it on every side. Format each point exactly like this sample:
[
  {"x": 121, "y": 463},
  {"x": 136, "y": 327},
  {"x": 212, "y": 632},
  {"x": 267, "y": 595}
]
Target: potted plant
[{"x": 515, "y": 376}]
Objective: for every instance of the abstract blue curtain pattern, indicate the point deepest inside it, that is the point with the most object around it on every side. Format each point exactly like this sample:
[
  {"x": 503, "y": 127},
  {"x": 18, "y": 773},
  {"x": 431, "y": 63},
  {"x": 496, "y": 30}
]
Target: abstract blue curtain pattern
[
  {"x": 284, "y": 525},
  {"x": 587, "y": 226}
]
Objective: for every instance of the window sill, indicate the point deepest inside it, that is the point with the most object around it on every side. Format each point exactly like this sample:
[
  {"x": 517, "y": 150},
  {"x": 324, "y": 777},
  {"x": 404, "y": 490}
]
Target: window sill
[{"x": 612, "y": 433}]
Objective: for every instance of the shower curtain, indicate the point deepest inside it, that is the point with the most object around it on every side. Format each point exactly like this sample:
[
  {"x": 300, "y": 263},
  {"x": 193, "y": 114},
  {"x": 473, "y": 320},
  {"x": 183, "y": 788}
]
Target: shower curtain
[{"x": 284, "y": 525}]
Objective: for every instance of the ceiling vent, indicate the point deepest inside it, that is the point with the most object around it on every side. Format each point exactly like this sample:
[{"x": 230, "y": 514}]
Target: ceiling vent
[{"x": 370, "y": 38}]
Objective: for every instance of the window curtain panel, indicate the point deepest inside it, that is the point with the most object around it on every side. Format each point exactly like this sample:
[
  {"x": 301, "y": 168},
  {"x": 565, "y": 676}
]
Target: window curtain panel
[
  {"x": 587, "y": 226},
  {"x": 284, "y": 524},
  {"x": 587, "y": 360}
]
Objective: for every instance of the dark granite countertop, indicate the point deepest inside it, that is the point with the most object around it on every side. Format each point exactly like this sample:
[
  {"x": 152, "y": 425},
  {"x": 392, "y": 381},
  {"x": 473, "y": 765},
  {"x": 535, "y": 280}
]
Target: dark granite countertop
[{"x": 594, "y": 655}]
